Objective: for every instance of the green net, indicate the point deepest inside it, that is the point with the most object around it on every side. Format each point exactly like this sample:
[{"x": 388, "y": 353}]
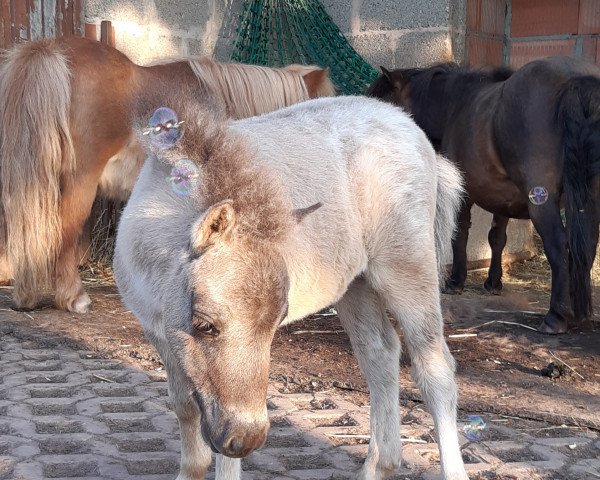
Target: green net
[{"x": 280, "y": 32}]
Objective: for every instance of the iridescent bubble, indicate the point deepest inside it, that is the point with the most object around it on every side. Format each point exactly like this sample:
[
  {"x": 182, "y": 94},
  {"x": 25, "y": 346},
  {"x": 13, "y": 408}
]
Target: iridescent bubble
[
  {"x": 475, "y": 429},
  {"x": 183, "y": 178},
  {"x": 538, "y": 195},
  {"x": 163, "y": 128}
]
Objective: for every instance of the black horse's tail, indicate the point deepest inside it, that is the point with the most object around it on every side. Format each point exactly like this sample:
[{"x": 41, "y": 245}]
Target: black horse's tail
[{"x": 578, "y": 114}]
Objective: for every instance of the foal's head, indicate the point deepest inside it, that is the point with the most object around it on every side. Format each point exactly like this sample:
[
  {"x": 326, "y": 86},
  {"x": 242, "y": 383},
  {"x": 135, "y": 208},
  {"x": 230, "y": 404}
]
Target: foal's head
[{"x": 237, "y": 285}]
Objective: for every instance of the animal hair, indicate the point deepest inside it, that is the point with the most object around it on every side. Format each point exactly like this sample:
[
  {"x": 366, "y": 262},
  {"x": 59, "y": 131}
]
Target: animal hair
[
  {"x": 35, "y": 151},
  {"x": 227, "y": 171},
  {"x": 243, "y": 89}
]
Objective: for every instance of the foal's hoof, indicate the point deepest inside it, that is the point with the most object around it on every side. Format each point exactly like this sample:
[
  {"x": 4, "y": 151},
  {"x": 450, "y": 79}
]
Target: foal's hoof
[
  {"x": 553, "y": 325},
  {"x": 494, "y": 289},
  {"x": 82, "y": 304}
]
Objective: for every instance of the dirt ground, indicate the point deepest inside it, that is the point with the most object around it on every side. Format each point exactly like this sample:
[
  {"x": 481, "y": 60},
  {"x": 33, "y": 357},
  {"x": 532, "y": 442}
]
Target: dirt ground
[{"x": 499, "y": 359}]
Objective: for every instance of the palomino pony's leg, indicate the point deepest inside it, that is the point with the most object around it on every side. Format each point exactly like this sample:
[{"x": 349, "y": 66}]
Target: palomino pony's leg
[
  {"x": 77, "y": 198},
  {"x": 497, "y": 240},
  {"x": 456, "y": 282},
  {"x": 411, "y": 294},
  {"x": 548, "y": 223},
  {"x": 377, "y": 349}
]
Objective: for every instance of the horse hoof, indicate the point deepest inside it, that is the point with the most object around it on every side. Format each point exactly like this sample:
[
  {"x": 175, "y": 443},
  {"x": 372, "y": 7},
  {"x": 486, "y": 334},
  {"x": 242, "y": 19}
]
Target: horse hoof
[
  {"x": 555, "y": 327},
  {"x": 494, "y": 290},
  {"x": 452, "y": 289},
  {"x": 82, "y": 304}
]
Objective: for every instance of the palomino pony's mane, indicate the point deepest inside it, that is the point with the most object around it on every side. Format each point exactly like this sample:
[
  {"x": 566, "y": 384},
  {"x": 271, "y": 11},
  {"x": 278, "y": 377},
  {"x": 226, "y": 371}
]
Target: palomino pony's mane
[
  {"x": 227, "y": 171},
  {"x": 248, "y": 90}
]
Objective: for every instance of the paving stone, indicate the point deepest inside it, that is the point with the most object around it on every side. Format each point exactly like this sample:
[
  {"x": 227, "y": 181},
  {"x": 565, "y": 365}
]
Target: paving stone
[{"x": 68, "y": 413}]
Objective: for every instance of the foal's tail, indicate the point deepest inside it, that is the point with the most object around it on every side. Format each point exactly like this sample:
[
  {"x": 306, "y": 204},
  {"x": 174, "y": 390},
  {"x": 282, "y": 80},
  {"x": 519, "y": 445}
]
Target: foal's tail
[
  {"x": 450, "y": 192},
  {"x": 578, "y": 115},
  {"x": 35, "y": 151}
]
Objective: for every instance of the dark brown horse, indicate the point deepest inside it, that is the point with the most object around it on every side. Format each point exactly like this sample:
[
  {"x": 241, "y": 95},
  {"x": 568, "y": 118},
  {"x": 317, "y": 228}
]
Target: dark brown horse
[{"x": 527, "y": 142}]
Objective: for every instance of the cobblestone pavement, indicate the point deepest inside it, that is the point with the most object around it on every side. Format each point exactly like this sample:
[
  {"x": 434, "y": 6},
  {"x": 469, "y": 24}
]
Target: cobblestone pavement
[{"x": 66, "y": 413}]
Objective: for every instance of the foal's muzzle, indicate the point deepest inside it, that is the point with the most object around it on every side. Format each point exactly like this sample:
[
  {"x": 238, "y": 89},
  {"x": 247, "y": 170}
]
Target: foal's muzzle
[{"x": 227, "y": 435}]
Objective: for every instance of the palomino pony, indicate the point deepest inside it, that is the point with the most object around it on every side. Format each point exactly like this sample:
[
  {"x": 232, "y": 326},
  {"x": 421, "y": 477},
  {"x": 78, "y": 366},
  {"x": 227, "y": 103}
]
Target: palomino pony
[
  {"x": 526, "y": 141},
  {"x": 66, "y": 109},
  {"x": 316, "y": 204}
]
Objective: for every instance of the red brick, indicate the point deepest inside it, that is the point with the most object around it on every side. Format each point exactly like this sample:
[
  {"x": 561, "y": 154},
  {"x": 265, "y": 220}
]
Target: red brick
[
  {"x": 524, "y": 52},
  {"x": 484, "y": 51},
  {"x": 544, "y": 17},
  {"x": 492, "y": 16},
  {"x": 473, "y": 15},
  {"x": 590, "y": 45},
  {"x": 589, "y": 16}
]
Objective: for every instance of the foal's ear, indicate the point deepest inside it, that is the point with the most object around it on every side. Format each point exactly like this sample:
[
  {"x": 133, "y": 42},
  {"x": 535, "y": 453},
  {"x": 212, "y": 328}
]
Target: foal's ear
[
  {"x": 215, "y": 225},
  {"x": 386, "y": 73},
  {"x": 394, "y": 77},
  {"x": 300, "y": 213}
]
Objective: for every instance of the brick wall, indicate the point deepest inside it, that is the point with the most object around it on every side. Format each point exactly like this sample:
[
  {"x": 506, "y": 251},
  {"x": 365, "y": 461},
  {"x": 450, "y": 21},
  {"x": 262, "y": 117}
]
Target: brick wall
[{"x": 514, "y": 32}]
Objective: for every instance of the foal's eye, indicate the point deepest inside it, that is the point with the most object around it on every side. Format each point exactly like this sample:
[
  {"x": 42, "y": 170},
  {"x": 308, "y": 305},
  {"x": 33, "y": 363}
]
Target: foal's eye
[{"x": 205, "y": 328}]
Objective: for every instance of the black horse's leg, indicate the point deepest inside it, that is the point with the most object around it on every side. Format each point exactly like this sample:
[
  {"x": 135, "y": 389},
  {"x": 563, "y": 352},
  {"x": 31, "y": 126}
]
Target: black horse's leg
[
  {"x": 456, "y": 282},
  {"x": 547, "y": 221},
  {"x": 497, "y": 240}
]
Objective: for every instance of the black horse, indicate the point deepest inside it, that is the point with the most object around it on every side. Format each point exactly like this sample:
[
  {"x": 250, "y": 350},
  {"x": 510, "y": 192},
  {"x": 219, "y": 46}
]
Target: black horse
[{"x": 527, "y": 142}]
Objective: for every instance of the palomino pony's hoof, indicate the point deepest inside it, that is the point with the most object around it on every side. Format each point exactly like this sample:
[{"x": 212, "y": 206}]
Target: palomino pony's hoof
[
  {"x": 82, "y": 304},
  {"x": 553, "y": 327}
]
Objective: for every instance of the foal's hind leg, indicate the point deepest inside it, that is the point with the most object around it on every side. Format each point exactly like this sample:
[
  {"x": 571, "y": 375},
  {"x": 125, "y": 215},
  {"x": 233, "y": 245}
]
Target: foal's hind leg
[
  {"x": 410, "y": 290},
  {"x": 497, "y": 240},
  {"x": 377, "y": 349},
  {"x": 456, "y": 282}
]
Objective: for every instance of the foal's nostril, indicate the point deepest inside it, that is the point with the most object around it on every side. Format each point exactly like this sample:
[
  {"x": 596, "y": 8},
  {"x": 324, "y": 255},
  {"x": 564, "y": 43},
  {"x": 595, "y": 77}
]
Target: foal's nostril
[{"x": 235, "y": 447}]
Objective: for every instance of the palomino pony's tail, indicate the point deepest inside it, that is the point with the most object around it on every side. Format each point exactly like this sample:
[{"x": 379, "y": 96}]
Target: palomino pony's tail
[
  {"x": 578, "y": 114},
  {"x": 248, "y": 90},
  {"x": 35, "y": 151},
  {"x": 450, "y": 191}
]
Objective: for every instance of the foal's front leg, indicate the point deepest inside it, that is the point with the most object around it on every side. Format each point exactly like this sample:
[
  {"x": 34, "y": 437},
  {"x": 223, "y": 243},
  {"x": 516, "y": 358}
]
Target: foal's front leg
[
  {"x": 497, "y": 239},
  {"x": 377, "y": 349},
  {"x": 196, "y": 455}
]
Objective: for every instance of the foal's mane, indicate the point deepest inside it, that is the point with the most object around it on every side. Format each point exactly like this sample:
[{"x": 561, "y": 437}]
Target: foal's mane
[
  {"x": 228, "y": 171},
  {"x": 248, "y": 90}
]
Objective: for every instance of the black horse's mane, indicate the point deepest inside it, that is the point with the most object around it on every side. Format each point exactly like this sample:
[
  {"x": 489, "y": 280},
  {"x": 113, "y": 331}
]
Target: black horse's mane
[{"x": 465, "y": 80}]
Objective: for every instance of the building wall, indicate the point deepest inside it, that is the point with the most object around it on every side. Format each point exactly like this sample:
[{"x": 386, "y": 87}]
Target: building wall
[{"x": 392, "y": 33}]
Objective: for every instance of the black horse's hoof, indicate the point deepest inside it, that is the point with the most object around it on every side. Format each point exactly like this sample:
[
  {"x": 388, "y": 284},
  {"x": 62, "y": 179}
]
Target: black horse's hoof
[
  {"x": 493, "y": 289},
  {"x": 452, "y": 289},
  {"x": 553, "y": 325}
]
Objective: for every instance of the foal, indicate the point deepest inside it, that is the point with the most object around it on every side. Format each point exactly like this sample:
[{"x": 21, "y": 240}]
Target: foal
[
  {"x": 66, "y": 109},
  {"x": 278, "y": 217}
]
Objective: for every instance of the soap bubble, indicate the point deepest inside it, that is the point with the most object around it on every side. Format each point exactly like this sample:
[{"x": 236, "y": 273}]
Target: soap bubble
[
  {"x": 163, "y": 128},
  {"x": 538, "y": 195},
  {"x": 183, "y": 178},
  {"x": 475, "y": 429}
]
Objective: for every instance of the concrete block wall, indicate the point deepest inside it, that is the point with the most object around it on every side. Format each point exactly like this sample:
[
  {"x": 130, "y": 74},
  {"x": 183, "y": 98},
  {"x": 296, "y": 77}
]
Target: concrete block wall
[{"x": 392, "y": 33}]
